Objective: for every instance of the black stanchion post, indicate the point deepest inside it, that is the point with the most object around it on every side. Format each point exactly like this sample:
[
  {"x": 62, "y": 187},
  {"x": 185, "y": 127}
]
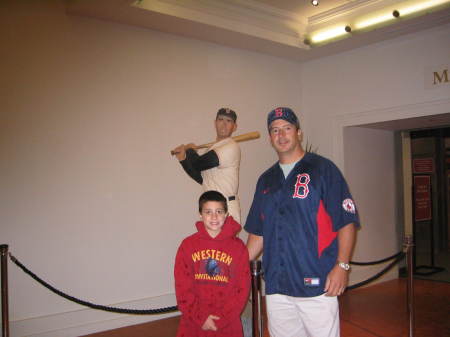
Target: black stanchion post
[
  {"x": 5, "y": 309},
  {"x": 257, "y": 329},
  {"x": 409, "y": 246}
]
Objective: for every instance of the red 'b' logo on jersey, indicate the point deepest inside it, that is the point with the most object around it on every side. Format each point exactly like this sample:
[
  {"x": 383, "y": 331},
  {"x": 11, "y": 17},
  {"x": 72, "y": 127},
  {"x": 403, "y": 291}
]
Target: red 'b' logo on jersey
[{"x": 301, "y": 186}]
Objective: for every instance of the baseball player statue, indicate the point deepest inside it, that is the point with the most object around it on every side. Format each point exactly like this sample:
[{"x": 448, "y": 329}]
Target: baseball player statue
[{"x": 217, "y": 168}]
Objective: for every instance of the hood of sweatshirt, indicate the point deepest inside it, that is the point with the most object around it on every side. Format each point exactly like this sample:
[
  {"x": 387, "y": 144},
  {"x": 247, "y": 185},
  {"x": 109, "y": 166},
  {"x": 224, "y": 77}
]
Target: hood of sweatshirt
[{"x": 229, "y": 229}]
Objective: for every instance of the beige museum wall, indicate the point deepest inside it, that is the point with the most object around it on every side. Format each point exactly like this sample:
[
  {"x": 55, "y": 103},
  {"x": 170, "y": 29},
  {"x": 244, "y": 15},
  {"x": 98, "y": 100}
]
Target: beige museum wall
[
  {"x": 370, "y": 170},
  {"x": 388, "y": 81},
  {"x": 91, "y": 200}
]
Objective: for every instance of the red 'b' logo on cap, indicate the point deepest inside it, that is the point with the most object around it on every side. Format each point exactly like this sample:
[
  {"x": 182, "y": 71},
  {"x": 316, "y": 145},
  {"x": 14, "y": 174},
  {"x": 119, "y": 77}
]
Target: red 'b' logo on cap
[{"x": 278, "y": 112}]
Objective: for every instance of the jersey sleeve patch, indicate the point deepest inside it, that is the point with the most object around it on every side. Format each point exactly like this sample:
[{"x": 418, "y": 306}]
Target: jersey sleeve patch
[{"x": 349, "y": 206}]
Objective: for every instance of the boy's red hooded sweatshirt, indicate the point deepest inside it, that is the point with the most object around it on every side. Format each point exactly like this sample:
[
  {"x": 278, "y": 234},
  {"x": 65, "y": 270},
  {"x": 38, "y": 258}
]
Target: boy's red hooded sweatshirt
[{"x": 212, "y": 277}]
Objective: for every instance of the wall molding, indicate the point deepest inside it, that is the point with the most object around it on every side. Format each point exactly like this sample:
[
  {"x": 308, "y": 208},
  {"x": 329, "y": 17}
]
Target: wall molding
[
  {"x": 344, "y": 10},
  {"x": 395, "y": 113},
  {"x": 226, "y": 14}
]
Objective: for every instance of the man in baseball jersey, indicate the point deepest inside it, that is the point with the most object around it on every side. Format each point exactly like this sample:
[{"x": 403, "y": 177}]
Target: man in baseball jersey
[
  {"x": 303, "y": 219},
  {"x": 218, "y": 167}
]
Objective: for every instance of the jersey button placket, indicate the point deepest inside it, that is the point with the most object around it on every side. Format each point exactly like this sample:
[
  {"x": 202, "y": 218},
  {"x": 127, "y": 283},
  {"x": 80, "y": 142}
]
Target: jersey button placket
[
  {"x": 282, "y": 242},
  {"x": 280, "y": 231},
  {"x": 281, "y": 237},
  {"x": 281, "y": 250}
]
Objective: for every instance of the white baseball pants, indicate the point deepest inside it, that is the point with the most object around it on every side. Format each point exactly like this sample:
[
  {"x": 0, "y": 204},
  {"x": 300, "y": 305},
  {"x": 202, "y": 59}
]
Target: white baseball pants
[{"x": 303, "y": 316}]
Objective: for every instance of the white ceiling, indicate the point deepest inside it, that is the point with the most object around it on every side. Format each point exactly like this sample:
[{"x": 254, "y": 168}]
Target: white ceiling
[
  {"x": 275, "y": 27},
  {"x": 305, "y": 7}
]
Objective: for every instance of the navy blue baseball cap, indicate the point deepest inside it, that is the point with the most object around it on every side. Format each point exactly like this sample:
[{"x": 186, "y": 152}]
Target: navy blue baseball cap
[
  {"x": 228, "y": 113},
  {"x": 286, "y": 114}
]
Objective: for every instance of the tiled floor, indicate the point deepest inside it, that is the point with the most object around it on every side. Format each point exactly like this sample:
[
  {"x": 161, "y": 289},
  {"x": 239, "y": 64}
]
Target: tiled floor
[{"x": 375, "y": 311}]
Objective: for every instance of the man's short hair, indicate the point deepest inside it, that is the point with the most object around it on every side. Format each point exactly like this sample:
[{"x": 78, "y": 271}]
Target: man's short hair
[
  {"x": 228, "y": 113},
  {"x": 212, "y": 196}
]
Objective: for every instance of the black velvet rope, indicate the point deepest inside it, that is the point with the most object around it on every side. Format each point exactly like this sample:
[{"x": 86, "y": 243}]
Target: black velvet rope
[
  {"x": 377, "y": 261},
  {"x": 89, "y": 304},
  {"x": 398, "y": 258}
]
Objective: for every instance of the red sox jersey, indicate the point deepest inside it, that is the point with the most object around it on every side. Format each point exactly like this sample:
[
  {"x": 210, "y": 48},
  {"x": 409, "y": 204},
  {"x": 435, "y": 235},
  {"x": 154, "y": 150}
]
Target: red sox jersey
[{"x": 299, "y": 217}]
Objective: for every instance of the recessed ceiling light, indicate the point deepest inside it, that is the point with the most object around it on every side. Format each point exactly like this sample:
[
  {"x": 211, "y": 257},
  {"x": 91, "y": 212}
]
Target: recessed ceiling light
[
  {"x": 374, "y": 20},
  {"x": 315, "y": 2}
]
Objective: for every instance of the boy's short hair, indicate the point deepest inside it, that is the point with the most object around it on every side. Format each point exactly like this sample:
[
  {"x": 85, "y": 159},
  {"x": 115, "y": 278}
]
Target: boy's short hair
[{"x": 212, "y": 196}]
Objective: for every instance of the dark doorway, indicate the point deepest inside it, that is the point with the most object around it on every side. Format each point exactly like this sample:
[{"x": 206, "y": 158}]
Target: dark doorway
[{"x": 430, "y": 151}]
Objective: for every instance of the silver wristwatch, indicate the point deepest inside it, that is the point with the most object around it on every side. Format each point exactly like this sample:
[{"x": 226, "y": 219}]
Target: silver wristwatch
[{"x": 344, "y": 265}]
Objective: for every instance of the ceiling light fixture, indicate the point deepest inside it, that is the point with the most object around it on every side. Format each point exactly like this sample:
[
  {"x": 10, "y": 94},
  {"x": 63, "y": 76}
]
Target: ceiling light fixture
[
  {"x": 421, "y": 6},
  {"x": 374, "y": 20},
  {"x": 378, "y": 19},
  {"x": 315, "y": 2},
  {"x": 402, "y": 11},
  {"x": 328, "y": 34}
]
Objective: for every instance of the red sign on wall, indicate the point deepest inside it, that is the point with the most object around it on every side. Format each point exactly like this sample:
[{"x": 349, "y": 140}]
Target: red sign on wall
[
  {"x": 422, "y": 198},
  {"x": 423, "y": 165}
]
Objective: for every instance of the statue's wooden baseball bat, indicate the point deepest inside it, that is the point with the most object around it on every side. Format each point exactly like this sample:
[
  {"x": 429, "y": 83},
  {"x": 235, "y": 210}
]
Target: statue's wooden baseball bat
[{"x": 240, "y": 138}]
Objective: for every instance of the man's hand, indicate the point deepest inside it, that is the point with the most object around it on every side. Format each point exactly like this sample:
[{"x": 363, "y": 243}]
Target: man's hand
[
  {"x": 337, "y": 278},
  {"x": 210, "y": 324},
  {"x": 337, "y": 281}
]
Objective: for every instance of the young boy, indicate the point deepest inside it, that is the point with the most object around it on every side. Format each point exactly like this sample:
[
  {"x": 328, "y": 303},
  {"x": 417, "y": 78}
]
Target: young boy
[{"x": 212, "y": 277}]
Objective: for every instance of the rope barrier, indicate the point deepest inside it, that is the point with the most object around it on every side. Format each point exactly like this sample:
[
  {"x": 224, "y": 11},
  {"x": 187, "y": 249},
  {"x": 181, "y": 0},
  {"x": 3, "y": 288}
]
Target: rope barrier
[
  {"x": 399, "y": 257},
  {"x": 89, "y": 304},
  {"x": 396, "y": 257},
  {"x": 377, "y": 261}
]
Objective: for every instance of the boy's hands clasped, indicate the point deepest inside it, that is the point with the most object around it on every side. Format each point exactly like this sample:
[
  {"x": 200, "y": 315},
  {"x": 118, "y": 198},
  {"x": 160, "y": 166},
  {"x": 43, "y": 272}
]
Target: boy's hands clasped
[{"x": 210, "y": 324}]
